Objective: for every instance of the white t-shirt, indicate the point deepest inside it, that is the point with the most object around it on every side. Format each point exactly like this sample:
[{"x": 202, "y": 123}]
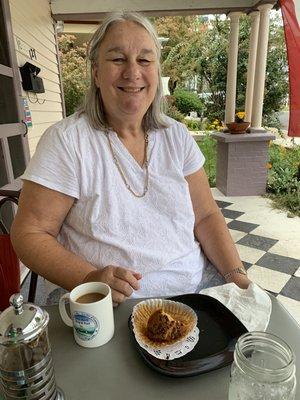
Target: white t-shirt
[{"x": 107, "y": 224}]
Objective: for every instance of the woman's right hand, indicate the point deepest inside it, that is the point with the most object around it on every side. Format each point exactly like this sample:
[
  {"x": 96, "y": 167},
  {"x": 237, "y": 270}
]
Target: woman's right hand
[{"x": 122, "y": 281}]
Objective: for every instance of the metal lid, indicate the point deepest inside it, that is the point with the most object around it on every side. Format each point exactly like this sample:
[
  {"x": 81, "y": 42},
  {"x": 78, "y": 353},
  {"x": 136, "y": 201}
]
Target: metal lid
[{"x": 21, "y": 322}]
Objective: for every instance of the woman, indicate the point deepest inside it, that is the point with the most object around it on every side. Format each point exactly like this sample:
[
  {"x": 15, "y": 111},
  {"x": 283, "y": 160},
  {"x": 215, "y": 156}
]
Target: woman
[{"x": 117, "y": 193}]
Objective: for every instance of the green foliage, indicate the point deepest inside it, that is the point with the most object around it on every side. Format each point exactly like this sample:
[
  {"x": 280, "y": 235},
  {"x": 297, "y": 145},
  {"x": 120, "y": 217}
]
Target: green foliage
[
  {"x": 193, "y": 125},
  {"x": 198, "y": 47},
  {"x": 283, "y": 178},
  {"x": 74, "y": 72},
  {"x": 209, "y": 149},
  {"x": 171, "y": 110},
  {"x": 272, "y": 120},
  {"x": 187, "y": 101},
  {"x": 179, "y": 30}
]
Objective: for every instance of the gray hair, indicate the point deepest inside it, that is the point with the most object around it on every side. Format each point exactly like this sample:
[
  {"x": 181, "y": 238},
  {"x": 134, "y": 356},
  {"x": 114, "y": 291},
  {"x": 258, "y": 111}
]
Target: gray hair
[{"x": 93, "y": 105}]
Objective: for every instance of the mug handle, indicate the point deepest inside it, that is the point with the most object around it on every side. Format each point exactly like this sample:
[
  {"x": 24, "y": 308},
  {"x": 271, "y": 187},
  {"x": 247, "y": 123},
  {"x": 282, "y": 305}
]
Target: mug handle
[{"x": 62, "y": 309}]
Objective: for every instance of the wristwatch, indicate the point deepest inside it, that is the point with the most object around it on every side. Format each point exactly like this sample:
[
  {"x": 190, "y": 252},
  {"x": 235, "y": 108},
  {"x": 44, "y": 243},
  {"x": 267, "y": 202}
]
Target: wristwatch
[{"x": 238, "y": 270}]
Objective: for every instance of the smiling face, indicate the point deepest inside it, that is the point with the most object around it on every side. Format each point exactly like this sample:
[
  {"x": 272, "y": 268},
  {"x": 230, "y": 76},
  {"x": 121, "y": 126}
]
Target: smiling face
[{"x": 127, "y": 72}]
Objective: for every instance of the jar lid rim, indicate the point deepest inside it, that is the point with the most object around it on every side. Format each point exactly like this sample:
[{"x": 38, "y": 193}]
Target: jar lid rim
[{"x": 284, "y": 372}]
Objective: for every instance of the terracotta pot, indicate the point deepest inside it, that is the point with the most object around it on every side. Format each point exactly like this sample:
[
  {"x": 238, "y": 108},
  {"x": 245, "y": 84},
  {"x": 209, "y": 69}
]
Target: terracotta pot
[{"x": 238, "y": 127}]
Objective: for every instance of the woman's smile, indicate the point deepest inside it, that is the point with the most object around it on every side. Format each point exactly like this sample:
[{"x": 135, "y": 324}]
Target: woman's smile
[{"x": 131, "y": 90}]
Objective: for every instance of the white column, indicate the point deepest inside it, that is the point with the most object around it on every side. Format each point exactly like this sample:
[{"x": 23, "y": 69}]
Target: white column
[
  {"x": 165, "y": 84},
  {"x": 260, "y": 69},
  {"x": 232, "y": 66},
  {"x": 251, "y": 63}
]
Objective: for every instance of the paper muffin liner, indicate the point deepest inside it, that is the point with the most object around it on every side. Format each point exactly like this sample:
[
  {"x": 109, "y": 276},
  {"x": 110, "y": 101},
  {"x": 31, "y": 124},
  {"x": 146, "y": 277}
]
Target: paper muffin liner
[{"x": 180, "y": 312}]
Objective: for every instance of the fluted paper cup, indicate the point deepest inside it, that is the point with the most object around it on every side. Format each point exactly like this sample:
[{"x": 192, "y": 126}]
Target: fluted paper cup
[{"x": 167, "y": 350}]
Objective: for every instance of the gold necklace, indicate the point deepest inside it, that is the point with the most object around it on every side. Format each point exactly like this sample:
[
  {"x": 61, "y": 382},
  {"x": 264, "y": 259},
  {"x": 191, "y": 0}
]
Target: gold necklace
[{"x": 146, "y": 185}]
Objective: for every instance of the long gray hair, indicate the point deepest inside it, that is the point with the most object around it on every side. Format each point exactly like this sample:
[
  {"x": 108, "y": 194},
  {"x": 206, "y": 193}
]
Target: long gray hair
[{"x": 93, "y": 105}]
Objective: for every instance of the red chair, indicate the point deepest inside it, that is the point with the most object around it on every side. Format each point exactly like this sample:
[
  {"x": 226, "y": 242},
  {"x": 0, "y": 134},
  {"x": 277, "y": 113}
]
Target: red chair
[{"x": 9, "y": 263}]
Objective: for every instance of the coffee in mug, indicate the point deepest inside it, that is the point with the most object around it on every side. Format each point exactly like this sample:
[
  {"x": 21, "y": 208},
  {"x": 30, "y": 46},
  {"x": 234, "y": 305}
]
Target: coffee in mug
[
  {"x": 90, "y": 298},
  {"x": 91, "y": 313}
]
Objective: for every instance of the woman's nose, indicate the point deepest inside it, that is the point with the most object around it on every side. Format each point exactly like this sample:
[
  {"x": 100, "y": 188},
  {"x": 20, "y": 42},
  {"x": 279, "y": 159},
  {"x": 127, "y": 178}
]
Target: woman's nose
[{"x": 131, "y": 71}]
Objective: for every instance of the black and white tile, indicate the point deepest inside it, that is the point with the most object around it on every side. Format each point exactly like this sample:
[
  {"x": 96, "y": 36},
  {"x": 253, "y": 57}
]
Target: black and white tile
[{"x": 277, "y": 272}]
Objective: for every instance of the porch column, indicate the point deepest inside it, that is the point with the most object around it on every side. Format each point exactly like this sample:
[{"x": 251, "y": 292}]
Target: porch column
[
  {"x": 254, "y": 15},
  {"x": 232, "y": 66},
  {"x": 260, "y": 70}
]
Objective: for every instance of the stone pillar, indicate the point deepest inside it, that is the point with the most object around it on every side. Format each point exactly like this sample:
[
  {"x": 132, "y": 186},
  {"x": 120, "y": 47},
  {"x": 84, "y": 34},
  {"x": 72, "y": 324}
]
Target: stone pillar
[
  {"x": 251, "y": 63},
  {"x": 260, "y": 69},
  {"x": 232, "y": 66},
  {"x": 242, "y": 163}
]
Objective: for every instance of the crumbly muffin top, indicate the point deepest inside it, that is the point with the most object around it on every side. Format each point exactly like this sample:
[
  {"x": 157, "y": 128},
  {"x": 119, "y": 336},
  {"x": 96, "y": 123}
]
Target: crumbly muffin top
[{"x": 162, "y": 327}]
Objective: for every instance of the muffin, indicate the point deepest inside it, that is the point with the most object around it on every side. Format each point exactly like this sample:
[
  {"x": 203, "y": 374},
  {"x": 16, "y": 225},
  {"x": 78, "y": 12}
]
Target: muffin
[
  {"x": 159, "y": 324},
  {"x": 161, "y": 327}
]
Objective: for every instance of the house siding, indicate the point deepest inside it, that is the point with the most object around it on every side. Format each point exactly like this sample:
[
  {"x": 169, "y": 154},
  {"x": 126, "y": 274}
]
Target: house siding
[{"x": 33, "y": 29}]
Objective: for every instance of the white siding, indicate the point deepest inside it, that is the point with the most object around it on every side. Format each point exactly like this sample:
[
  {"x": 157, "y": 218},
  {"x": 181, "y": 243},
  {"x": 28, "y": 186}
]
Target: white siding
[{"x": 33, "y": 28}]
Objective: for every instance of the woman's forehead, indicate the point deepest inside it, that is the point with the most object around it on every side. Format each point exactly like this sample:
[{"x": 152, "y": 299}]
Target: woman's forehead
[{"x": 126, "y": 35}]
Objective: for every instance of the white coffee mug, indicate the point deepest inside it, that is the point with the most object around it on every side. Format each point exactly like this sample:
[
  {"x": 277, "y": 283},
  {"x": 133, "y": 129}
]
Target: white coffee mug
[{"x": 92, "y": 322}]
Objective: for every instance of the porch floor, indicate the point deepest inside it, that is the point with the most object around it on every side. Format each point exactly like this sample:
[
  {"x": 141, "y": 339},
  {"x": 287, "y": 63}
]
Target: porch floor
[{"x": 268, "y": 244}]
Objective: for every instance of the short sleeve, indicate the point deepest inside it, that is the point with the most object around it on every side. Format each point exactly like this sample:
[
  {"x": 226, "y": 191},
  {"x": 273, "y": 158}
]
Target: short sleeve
[
  {"x": 193, "y": 156},
  {"x": 53, "y": 164}
]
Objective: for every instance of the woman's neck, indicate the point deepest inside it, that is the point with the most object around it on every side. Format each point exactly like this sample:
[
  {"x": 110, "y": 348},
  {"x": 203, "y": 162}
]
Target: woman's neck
[{"x": 126, "y": 129}]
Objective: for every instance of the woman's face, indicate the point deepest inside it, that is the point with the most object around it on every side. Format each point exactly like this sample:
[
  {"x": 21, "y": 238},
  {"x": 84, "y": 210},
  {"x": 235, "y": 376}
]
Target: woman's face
[{"x": 127, "y": 72}]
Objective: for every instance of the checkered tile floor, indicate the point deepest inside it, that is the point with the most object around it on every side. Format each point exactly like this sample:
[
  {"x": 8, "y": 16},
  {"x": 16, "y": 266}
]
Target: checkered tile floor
[{"x": 278, "y": 274}]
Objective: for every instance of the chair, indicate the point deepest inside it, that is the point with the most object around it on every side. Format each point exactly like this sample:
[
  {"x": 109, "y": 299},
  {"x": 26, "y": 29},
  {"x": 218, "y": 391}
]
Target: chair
[{"x": 13, "y": 197}]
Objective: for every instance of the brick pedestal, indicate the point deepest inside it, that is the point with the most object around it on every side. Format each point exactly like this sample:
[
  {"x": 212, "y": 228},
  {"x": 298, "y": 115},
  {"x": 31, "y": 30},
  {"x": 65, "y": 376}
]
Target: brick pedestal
[{"x": 241, "y": 163}]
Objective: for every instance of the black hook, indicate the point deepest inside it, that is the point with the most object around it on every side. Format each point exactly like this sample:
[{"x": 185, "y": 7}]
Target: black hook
[{"x": 26, "y": 128}]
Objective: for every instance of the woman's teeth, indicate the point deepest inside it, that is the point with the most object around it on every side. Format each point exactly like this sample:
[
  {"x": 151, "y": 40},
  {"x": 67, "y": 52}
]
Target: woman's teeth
[{"x": 131, "y": 90}]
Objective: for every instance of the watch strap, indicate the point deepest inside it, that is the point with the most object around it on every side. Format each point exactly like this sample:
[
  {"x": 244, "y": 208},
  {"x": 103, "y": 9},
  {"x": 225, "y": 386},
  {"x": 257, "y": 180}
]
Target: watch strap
[{"x": 238, "y": 270}]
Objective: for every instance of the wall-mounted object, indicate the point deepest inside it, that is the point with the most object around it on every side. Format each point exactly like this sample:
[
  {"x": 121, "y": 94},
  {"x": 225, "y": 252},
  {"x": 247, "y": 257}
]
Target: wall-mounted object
[
  {"x": 27, "y": 112},
  {"x": 31, "y": 82}
]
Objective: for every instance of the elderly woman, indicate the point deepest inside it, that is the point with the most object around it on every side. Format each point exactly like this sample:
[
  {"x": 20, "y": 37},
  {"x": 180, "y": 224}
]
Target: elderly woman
[{"x": 117, "y": 192}]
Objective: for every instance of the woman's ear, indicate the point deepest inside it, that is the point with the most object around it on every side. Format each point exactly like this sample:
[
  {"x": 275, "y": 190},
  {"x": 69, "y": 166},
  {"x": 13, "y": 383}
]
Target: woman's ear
[{"x": 95, "y": 75}]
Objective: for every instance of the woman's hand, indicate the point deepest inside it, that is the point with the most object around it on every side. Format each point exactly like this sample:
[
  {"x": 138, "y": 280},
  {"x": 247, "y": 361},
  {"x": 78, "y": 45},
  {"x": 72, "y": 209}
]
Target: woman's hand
[
  {"x": 240, "y": 280},
  {"x": 122, "y": 281}
]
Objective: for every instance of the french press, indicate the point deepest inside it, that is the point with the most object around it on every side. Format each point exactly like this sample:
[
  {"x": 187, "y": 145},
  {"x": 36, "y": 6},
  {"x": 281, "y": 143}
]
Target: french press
[{"x": 26, "y": 367}]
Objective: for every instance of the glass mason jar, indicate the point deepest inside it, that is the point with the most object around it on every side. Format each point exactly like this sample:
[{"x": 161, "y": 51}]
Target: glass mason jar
[{"x": 263, "y": 369}]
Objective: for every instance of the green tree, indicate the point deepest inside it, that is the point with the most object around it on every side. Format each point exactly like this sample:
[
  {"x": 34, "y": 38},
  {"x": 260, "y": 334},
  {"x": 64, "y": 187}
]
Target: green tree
[
  {"x": 74, "y": 71},
  {"x": 179, "y": 31},
  {"x": 201, "y": 49}
]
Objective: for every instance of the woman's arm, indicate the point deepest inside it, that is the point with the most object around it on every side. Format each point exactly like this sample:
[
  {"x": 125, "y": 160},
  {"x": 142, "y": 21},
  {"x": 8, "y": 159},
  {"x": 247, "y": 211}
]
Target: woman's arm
[
  {"x": 40, "y": 215},
  {"x": 211, "y": 230}
]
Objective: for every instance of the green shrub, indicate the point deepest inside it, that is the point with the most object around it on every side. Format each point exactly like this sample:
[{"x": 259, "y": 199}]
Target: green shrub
[
  {"x": 187, "y": 101},
  {"x": 171, "y": 110},
  {"x": 283, "y": 184},
  {"x": 273, "y": 121},
  {"x": 193, "y": 125},
  {"x": 208, "y": 147},
  {"x": 289, "y": 201}
]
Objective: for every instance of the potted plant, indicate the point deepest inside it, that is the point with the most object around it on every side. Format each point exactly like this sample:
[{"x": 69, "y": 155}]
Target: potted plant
[{"x": 239, "y": 125}]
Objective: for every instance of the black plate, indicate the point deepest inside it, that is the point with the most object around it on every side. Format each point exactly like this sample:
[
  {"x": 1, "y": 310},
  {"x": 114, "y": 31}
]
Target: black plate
[{"x": 219, "y": 331}]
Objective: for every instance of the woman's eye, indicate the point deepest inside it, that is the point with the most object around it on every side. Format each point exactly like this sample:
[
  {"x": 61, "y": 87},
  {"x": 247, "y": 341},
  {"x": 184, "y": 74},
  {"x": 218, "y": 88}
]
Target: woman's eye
[
  {"x": 118, "y": 60},
  {"x": 144, "y": 61}
]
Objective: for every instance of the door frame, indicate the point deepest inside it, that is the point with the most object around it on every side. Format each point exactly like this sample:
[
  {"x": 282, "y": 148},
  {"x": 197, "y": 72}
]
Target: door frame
[{"x": 18, "y": 128}]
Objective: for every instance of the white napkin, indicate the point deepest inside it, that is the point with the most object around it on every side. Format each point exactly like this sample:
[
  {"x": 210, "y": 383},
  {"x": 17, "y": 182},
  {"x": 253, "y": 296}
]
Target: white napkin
[{"x": 252, "y": 306}]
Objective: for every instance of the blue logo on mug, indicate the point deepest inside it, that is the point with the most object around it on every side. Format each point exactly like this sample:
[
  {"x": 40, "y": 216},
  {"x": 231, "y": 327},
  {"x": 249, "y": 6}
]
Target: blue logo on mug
[{"x": 86, "y": 325}]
